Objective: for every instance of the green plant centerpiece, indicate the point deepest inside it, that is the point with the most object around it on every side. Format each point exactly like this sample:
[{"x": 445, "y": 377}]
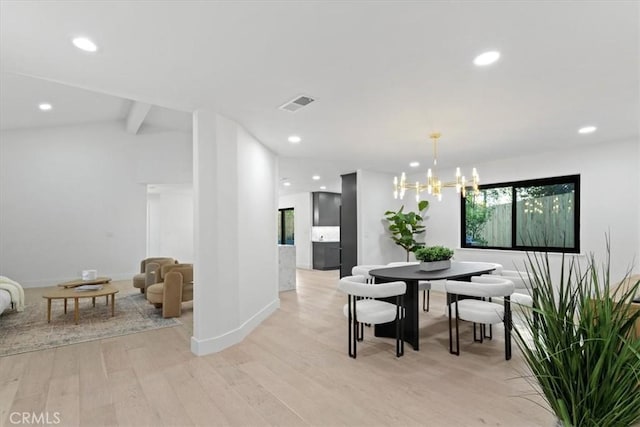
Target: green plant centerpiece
[
  {"x": 434, "y": 257},
  {"x": 580, "y": 343},
  {"x": 404, "y": 227}
]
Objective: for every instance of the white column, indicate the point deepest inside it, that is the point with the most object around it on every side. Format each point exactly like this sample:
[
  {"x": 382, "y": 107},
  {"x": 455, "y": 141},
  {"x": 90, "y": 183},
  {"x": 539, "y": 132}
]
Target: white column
[
  {"x": 215, "y": 310},
  {"x": 235, "y": 262}
]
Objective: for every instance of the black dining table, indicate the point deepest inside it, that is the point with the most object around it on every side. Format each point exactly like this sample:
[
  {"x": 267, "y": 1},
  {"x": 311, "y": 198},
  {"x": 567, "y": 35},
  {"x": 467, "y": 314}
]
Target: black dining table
[{"x": 411, "y": 275}]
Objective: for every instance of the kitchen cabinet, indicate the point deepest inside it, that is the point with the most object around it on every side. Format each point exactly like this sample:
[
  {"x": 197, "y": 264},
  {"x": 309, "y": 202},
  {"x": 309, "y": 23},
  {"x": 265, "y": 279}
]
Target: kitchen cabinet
[
  {"x": 326, "y": 209},
  {"x": 326, "y": 255}
]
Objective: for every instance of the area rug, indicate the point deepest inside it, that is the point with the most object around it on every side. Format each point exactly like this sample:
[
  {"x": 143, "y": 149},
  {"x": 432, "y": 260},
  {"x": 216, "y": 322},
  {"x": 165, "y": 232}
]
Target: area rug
[{"x": 29, "y": 330}]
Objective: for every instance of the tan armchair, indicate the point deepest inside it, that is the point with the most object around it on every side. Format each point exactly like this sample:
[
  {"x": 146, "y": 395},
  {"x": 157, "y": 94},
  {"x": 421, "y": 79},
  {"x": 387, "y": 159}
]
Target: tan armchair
[
  {"x": 149, "y": 269},
  {"x": 176, "y": 288}
]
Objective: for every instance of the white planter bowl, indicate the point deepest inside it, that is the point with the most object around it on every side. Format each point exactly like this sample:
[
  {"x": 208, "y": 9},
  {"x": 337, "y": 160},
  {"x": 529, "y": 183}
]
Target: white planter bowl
[{"x": 435, "y": 265}]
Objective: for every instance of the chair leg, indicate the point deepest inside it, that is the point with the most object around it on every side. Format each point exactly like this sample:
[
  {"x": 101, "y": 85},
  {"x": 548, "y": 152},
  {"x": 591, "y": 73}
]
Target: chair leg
[
  {"x": 402, "y": 335},
  {"x": 450, "y": 334},
  {"x": 355, "y": 338},
  {"x": 350, "y": 342},
  {"x": 507, "y": 328},
  {"x": 457, "y": 330},
  {"x": 398, "y": 338},
  {"x": 399, "y": 326},
  {"x": 425, "y": 300},
  {"x": 477, "y": 326},
  {"x": 352, "y": 327},
  {"x": 457, "y": 352}
]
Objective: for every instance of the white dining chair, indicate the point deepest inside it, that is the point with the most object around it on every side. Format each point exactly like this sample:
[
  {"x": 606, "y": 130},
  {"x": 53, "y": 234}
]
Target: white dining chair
[
  {"x": 423, "y": 285},
  {"x": 521, "y": 284},
  {"x": 363, "y": 270},
  {"x": 362, "y": 307},
  {"x": 498, "y": 268},
  {"x": 479, "y": 309}
]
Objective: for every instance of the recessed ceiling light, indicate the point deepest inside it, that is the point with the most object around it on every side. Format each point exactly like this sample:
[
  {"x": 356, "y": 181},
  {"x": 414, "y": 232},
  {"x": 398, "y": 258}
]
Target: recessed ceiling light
[
  {"x": 294, "y": 139},
  {"x": 414, "y": 164},
  {"x": 487, "y": 58},
  {"x": 85, "y": 44},
  {"x": 45, "y": 106},
  {"x": 323, "y": 187},
  {"x": 315, "y": 177},
  {"x": 286, "y": 184},
  {"x": 587, "y": 129}
]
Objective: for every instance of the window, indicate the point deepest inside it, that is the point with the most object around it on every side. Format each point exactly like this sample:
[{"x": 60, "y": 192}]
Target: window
[
  {"x": 285, "y": 227},
  {"x": 533, "y": 215}
]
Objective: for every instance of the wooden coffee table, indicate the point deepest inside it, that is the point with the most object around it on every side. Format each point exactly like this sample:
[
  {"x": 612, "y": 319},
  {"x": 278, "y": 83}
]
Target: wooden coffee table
[
  {"x": 71, "y": 293},
  {"x": 80, "y": 282}
]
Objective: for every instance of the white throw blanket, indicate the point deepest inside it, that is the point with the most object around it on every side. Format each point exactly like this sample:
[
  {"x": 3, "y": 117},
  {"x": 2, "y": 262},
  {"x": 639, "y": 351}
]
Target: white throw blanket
[{"x": 16, "y": 291}]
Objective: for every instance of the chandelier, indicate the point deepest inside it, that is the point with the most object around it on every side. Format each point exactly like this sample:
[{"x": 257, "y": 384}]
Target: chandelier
[{"x": 434, "y": 185}]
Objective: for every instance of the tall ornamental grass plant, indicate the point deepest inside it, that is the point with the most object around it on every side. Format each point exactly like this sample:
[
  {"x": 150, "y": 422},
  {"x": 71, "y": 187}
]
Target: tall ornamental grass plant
[{"x": 580, "y": 343}]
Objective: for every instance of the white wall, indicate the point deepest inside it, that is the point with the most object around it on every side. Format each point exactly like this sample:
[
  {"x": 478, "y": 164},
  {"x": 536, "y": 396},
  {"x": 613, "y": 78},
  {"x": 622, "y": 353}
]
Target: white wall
[
  {"x": 170, "y": 222},
  {"x": 375, "y": 197},
  {"x": 74, "y": 198},
  {"x": 161, "y": 156},
  {"x": 257, "y": 230},
  {"x": 236, "y": 277},
  {"x": 302, "y": 205},
  {"x": 608, "y": 203}
]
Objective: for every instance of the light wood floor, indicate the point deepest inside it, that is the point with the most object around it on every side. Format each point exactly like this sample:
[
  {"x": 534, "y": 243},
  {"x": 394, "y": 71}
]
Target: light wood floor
[{"x": 292, "y": 370}]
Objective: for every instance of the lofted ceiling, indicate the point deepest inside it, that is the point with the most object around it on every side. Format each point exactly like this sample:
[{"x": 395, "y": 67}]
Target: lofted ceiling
[
  {"x": 385, "y": 74},
  {"x": 22, "y": 94}
]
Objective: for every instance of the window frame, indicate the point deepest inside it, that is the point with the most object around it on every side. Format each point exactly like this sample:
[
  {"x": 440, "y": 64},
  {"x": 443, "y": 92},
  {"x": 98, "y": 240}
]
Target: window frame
[
  {"x": 281, "y": 239},
  {"x": 566, "y": 179}
]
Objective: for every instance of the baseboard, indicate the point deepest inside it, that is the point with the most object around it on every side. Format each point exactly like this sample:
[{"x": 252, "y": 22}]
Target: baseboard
[{"x": 219, "y": 343}]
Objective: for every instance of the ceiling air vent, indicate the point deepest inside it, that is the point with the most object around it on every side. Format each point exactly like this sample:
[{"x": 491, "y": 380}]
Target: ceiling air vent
[{"x": 296, "y": 103}]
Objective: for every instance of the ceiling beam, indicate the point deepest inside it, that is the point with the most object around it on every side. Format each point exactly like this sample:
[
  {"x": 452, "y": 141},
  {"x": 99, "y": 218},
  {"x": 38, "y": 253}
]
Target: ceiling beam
[{"x": 136, "y": 116}]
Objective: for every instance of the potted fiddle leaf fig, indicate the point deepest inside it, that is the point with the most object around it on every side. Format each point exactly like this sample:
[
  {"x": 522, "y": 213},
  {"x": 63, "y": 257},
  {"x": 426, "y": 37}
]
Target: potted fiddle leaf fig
[
  {"x": 580, "y": 343},
  {"x": 404, "y": 227},
  {"x": 434, "y": 258}
]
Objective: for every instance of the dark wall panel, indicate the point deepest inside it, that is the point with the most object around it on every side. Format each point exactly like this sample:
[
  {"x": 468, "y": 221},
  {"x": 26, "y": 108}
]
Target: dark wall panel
[{"x": 348, "y": 225}]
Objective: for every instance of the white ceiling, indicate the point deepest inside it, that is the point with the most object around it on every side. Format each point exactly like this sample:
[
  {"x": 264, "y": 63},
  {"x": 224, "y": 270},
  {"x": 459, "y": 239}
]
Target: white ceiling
[
  {"x": 385, "y": 74},
  {"x": 22, "y": 94}
]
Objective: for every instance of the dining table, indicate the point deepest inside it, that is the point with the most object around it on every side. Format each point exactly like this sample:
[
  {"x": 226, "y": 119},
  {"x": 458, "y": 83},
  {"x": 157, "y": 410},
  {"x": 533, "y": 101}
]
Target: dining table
[{"x": 411, "y": 275}]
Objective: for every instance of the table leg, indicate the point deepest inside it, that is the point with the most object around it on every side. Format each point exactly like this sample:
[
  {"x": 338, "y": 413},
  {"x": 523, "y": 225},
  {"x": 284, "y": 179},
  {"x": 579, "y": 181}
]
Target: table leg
[
  {"x": 65, "y": 306},
  {"x": 93, "y": 301},
  {"x": 49, "y": 310},
  {"x": 106, "y": 298},
  {"x": 411, "y": 321},
  {"x": 113, "y": 304},
  {"x": 75, "y": 310}
]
